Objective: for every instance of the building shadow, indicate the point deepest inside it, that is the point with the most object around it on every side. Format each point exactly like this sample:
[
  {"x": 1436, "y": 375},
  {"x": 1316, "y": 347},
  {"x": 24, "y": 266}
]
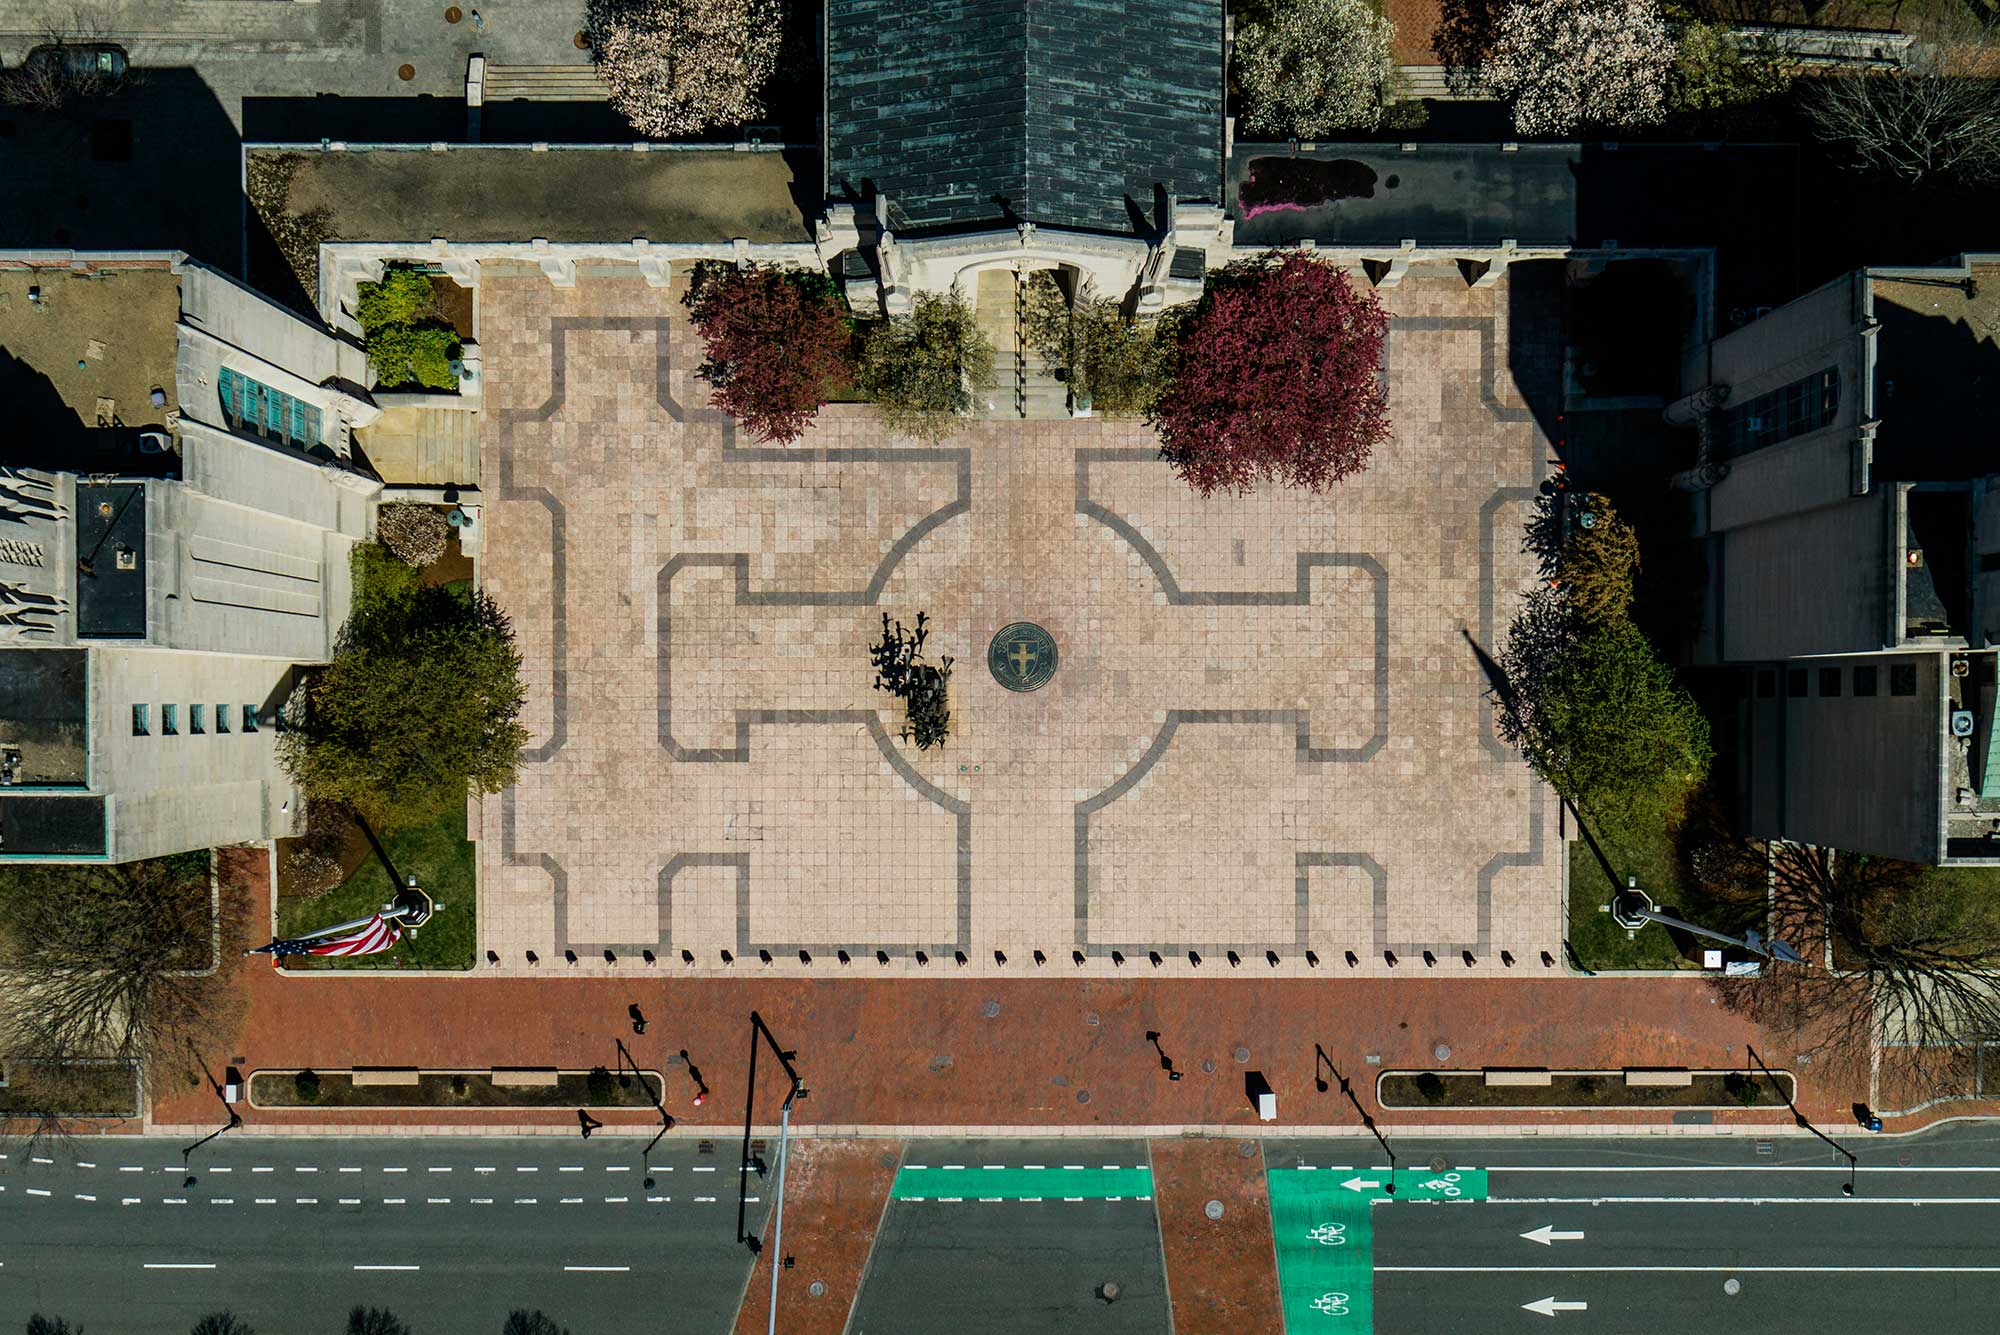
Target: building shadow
[{"x": 151, "y": 167}]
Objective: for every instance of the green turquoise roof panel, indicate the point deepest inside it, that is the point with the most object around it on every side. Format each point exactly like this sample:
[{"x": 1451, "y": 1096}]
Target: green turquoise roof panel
[{"x": 1070, "y": 113}]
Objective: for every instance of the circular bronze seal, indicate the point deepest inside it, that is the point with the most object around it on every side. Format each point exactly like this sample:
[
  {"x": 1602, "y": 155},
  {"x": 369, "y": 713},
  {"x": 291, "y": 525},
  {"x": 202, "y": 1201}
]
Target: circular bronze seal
[{"x": 1022, "y": 657}]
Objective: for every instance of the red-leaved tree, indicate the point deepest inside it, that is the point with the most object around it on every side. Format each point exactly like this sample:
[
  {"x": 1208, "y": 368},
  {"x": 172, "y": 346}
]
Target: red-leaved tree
[
  {"x": 777, "y": 344},
  {"x": 1276, "y": 375}
]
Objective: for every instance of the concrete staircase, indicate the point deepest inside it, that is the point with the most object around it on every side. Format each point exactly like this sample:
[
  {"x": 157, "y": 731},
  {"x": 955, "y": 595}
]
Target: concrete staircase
[
  {"x": 420, "y": 446},
  {"x": 544, "y": 83},
  {"x": 1024, "y": 384}
]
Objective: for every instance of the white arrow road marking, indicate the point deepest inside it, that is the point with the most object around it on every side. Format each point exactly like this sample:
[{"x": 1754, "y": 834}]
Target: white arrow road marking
[
  {"x": 1548, "y": 1235},
  {"x": 1550, "y": 1306},
  {"x": 1360, "y": 1184}
]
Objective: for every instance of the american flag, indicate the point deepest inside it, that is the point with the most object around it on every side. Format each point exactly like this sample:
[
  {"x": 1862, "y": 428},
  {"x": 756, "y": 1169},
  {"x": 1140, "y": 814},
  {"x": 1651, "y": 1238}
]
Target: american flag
[{"x": 377, "y": 935}]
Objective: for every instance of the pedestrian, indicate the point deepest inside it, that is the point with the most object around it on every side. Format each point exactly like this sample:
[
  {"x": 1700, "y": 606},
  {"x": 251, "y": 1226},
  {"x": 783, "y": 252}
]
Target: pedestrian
[
  {"x": 638, "y": 1018},
  {"x": 479, "y": 20},
  {"x": 694, "y": 1074}
]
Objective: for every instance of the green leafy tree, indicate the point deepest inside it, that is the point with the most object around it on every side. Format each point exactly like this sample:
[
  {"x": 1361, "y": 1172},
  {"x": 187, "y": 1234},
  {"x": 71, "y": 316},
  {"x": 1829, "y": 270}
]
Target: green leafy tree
[
  {"x": 1596, "y": 712},
  {"x": 419, "y": 703},
  {"x": 1714, "y": 76},
  {"x": 1111, "y": 361},
  {"x": 927, "y": 370},
  {"x": 1599, "y": 562},
  {"x": 405, "y": 332}
]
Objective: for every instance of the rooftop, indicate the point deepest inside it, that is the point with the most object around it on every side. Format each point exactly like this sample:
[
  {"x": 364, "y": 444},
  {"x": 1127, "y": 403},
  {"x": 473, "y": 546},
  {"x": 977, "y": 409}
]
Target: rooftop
[
  {"x": 1376, "y": 193},
  {"x": 1063, "y": 112},
  {"x": 80, "y": 356},
  {"x": 44, "y": 714},
  {"x": 110, "y": 560},
  {"x": 1936, "y": 353}
]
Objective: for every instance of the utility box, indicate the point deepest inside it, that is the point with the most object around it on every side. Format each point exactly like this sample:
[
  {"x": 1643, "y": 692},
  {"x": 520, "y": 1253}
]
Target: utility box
[{"x": 1261, "y": 1096}]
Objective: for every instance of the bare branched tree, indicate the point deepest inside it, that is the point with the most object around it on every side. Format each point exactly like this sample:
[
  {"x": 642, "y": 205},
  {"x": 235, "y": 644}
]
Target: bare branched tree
[
  {"x": 118, "y": 962},
  {"x": 1900, "y": 956},
  {"x": 46, "y": 83},
  {"x": 1936, "y": 118}
]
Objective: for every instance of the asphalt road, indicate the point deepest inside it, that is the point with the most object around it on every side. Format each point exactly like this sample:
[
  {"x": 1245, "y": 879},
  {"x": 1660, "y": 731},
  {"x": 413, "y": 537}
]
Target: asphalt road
[
  {"x": 451, "y": 1235},
  {"x": 1671, "y": 1234}
]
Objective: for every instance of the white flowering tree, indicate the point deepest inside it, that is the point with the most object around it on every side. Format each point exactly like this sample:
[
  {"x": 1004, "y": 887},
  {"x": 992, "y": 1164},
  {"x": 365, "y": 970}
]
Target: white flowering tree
[
  {"x": 1564, "y": 64},
  {"x": 678, "y": 67},
  {"x": 1308, "y": 68}
]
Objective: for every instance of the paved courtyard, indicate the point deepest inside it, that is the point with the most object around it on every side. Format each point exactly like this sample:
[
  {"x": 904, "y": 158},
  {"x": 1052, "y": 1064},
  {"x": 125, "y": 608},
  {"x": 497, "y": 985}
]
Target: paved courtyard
[{"x": 1265, "y": 732}]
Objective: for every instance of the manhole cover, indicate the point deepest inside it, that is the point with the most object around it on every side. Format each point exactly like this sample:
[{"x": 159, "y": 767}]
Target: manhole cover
[
  {"x": 1904, "y": 1159},
  {"x": 582, "y": 41},
  {"x": 1090, "y": 1018},
  {"x": 1442, "y": 1052},
  {"x": 1246, "y": 1150},
  {"x": 1242, "y": 1056},
  {"x": 990, "y": 1009},
  {"x": 1083, "y": 1096},
  {"x": 886, "y": 1159},
  {"x": 1213, "y": 1209},
  {"x": 1208, "y": 1066},
  {"x": 1022, "y": 657},
  {"x": 1439, "y": 1163},
  {"x": 1732, "y": 1287},
  {"x": 817, "y": 1288},
  {"x": 453, "y": 14},
  {"x": 406, "y": 72}
]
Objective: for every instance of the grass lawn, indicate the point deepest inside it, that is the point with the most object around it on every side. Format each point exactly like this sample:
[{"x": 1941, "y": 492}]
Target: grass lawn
[
  {"x": 1647, "y": 853},
  {"x": 439, "y": 857}
]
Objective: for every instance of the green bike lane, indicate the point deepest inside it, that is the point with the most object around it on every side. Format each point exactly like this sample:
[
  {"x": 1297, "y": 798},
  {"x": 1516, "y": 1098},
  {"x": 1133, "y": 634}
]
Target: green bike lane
[{"x": 1322, "y": 1223}]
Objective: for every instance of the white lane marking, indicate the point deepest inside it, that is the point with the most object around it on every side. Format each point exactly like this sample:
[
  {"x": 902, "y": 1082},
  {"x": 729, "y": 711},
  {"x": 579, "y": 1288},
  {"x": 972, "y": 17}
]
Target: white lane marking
[
  {"x": 921, "y": 1168},
  {"x": 526, "y": 1168},
  {"x": 388, "y": 1267},
  {"x": 128, "y": 1200},
  {"x": 954, "y": 1168},
  {"x": 130, "y": 1168},
  {"x": 267, "y": 1200},
  {"x": 1142, "y": 1198},
  {"x": 394, "y": 1200},
  {"x": 1035, "y": 1199},
  {"x": 1072, "y": 1198},
  {"x": 656, "y": 1200},
  {"x": 990, "y": 1200},
  {"x": 524, "y": 1200},
  {"x": 222, "y": 1200},
  {"x": 82, "y": 1197},
  {"x": 570, "y": 1168},
  {"x": 1871, "y": 1169},
  {"x": 707, "y": 1199},
  {"x": 437, "y": 1200},
  {"x": 1072, "y": 1168},
  {"x": 263, "y": 1170},
  {"x": 305, "y": 1170},
  {"x": 1691, "y": 1269},
  {"x": 305, "y": 1200},
  {"x": 1746, "y": 1200},
  {"x": 437, "y": 1170},
  {"x": 395, "y": 1170},
  {"x": 994, "y": 1167},
  {"x": 571, "y": 1200},
  {"x": 951, "y": 1200},
  {"x": 616, "y": 1200},
  {"x": 36, "y": 1191},
  {"x": 347, "y": 1170},
  {"x": 220, "y": 1169},
  {"x": 487, "y": 1169},
  {"x": 618, "y": 1168},
  {"x": 81, "y": 1164},
  {"x": 1033, "y": 1167},
  {"x": 178, "y": 1265},
  {"x": 482, "y": 1200},
  {"x": 36, "y": 1158},
  {"x": 349, "y": 1200},
  {"x": 598, "y": 1269},
  {"x": 701, "y": 1169},
  {"x": 752, "y": 1200},
  {"x": 1111, "y": 1168}
]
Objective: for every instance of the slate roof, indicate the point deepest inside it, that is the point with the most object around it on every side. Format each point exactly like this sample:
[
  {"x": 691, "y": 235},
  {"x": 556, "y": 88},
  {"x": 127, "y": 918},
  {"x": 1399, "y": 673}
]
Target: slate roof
[{"x": 1061, "y": 108}]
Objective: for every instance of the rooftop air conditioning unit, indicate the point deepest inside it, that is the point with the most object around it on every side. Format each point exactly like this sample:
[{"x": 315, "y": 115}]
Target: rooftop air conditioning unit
[{"x": 1961, "y": 723}]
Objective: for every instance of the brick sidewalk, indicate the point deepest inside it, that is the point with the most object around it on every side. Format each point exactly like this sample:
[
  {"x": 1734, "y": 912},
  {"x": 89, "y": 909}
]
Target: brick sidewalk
[
  {"x": 835, "y": 1192},
  {"x": 992, "y": 1054},
  {"x": 1222, "y": 1274}
]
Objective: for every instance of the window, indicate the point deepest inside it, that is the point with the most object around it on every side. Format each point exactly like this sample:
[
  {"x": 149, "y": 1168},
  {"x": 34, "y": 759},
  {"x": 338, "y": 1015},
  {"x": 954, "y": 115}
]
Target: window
[
  {"x": 141, "y": 721},
  {"x": 222, "y": 718},
  {"x": 170, "y": 720},
  {"x": 1829, "y": 681},
  {"x": 1792, "y": 410},
  {"x": 1864, "y": 679},
  {"x": 258, "y": 410},
  {"x": 1795, "y": 683},
  {"x": 197, "y": 719},
  {"x": 1903, "y": 679},
  {"x": 249, "y": 718}
]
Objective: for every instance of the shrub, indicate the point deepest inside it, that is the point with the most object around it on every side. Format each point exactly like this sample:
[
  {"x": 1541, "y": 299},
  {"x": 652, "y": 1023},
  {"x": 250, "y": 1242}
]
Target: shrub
[
  {"x": 1431, "y": 1085},
  {"x": 599, "y": 1086},
  {"x": 1275, "y": 375},
  {"x": 416, "y": 534},
  {"x": 402, "y": 296},
  {"x": 777, "y": 344},
  {"x": 1599, "y": 562},
  {"x": 1109, "y": 361},
  {"x": 1743, "y": 1088},
  {"x": 406, "y": 336},
  {"x": 678, "y": 67},
  {"x": 1308, "y": 68},
  {"x": 927, "y": 370},
  {"x": 1564, "y": 64},
  {"x": 310, "y": 874},
  {"x": 306, "y": 1085}
]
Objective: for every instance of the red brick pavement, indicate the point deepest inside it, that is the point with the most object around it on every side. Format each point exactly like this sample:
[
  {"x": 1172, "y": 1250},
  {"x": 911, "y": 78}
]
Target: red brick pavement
[
  {"x": 1062, "y": 1050},
  {"x": 835, "y": 1191},
  {"x": 1222, "y": 1274}
]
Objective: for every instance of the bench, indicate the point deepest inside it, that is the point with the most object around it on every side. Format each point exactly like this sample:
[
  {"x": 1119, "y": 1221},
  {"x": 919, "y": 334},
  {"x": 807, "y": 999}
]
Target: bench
[
  {"x": 525, "y": 1077},
  {"x": 1518, "y": 1076},
  {"x": 1658, "y": 1077},
  {"x": 385, "y": 1075}
]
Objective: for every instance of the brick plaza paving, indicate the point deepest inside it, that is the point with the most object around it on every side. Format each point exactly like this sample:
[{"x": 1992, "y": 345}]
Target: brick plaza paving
[{"x": 1266, "y": 731}]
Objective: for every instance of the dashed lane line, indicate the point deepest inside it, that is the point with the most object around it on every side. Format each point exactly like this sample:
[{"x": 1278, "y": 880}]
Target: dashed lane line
[
  {"x": 598, "y": 1269},
  {"x": 178, "y": 1265},
  {"x": 389, "y": 1267}
]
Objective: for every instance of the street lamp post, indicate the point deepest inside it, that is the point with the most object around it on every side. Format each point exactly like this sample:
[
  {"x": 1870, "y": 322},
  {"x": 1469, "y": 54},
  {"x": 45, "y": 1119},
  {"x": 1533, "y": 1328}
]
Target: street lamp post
[
  {"x": 1805, "y": 1124},
  {"x": 666, "y": 1118},
  {"x": 1346, "y": 1087},
  {"x": 1632, "y": 908},
  {"x": 795, "y": 1090}
]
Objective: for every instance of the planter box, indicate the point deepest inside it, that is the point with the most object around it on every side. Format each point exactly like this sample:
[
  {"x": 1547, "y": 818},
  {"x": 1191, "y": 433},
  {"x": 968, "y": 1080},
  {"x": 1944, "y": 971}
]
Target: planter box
[
  {"x": 468, "y": 1091},
  {"x": 1518, "y": 1076}
]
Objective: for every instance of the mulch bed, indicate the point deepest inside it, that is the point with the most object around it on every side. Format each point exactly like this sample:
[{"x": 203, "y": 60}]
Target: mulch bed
[
  {"x": 449, "y": 1089},
  {"x": 1604, "y": 1089}
]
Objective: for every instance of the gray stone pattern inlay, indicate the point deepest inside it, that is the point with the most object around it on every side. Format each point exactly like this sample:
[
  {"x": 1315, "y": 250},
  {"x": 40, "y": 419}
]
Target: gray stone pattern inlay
[{"x": 1307, "y": 754}]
